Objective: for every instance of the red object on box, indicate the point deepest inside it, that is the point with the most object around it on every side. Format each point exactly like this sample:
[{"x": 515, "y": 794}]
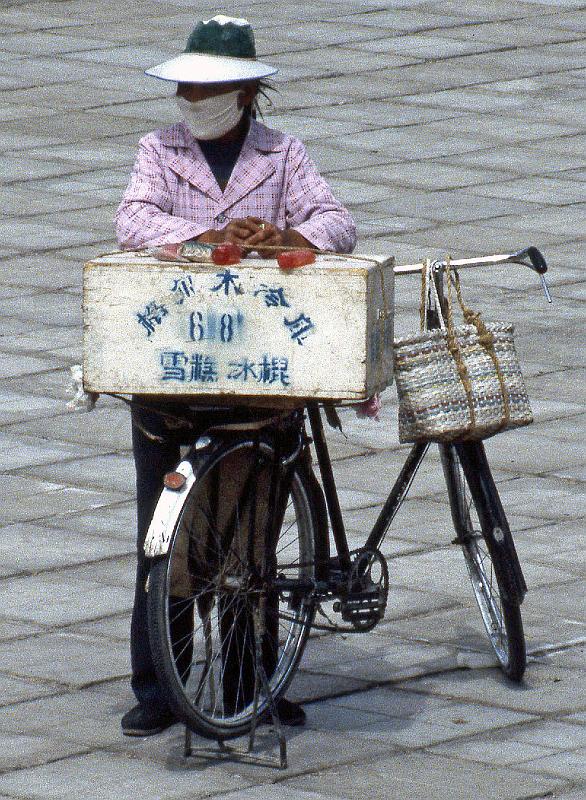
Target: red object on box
[
  {"x": 226, "y": 253},
  {"x": 291, "y": 259}
]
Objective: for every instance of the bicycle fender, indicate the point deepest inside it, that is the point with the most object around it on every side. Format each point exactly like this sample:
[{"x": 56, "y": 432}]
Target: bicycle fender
[{"x": 167, "y": 513}]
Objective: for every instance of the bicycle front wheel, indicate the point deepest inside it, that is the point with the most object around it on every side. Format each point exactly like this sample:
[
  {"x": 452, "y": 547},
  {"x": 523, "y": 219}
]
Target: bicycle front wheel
[
  {"x": 478, "y": 518},
  {"x": 229, "y": 618}
]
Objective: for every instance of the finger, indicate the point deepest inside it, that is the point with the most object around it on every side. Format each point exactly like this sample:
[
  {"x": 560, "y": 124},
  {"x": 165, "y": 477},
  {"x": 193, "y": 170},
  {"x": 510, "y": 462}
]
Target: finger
[
  {"x": 240, "y": 224},
  {"x": 252, "y": 224},
  {"x": 257, "y": 221},
  {"x": 268, "y": 234},
  {"x": 256, "y": 238},
  {"x": 236, "y": 231}
]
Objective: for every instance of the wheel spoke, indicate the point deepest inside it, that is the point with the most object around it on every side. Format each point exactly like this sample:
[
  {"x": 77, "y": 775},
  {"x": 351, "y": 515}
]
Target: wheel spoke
[{"x": 221, "y": 580}]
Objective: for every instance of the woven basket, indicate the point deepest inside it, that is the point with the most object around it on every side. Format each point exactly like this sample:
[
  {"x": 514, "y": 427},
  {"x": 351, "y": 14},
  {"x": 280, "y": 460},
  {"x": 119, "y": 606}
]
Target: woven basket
[{"x": 458, "y": 383}]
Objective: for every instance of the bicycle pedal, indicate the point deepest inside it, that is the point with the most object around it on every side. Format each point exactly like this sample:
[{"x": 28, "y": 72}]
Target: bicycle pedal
[{"x": 364, "y": 608}]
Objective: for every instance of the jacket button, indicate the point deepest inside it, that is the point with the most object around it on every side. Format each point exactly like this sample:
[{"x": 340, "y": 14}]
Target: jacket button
[{"x": 222, "y": 218}]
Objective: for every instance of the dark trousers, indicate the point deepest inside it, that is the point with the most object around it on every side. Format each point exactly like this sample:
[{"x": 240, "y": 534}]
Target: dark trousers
[{"x": 152, "y": 460}]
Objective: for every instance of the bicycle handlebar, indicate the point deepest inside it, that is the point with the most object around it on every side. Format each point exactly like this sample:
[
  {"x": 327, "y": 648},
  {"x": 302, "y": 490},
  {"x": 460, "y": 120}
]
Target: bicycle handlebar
[
  {"x": 530, "y": 257},
  {"x": 536, "y": 259}
]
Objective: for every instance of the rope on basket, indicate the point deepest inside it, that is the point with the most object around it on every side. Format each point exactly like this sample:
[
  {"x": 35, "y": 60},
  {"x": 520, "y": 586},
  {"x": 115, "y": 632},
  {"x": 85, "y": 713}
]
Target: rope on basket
[
  {"x": 455, "y": 349},
  {"x": 486, "y": 339}
]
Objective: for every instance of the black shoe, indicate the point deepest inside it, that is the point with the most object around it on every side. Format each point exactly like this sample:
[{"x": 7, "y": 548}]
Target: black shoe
[
  {"x": 289, "y": 713},
  {"x": 140, "y": 721}
]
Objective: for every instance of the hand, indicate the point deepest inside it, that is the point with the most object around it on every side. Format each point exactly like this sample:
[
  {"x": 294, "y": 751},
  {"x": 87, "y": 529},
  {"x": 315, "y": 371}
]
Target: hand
[
  {"x": 240, "y": 231},
  {"x": 236, "y": 231},
  {"x": 267, "y": 234}
]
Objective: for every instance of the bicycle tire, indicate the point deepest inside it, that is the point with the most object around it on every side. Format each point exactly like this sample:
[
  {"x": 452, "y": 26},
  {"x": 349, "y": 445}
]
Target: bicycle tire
[
  {"x": 476, "y": 513},
  {"x": 202, "y": 635}
]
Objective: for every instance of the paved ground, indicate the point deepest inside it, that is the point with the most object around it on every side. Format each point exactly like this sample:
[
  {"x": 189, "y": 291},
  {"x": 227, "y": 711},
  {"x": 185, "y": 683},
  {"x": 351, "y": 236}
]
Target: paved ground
[{"x": 452, "y": 126}]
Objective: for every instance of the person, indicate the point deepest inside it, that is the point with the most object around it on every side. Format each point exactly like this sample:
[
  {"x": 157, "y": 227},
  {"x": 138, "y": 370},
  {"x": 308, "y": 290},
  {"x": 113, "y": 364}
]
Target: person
[{"x": 217, "y": 176}]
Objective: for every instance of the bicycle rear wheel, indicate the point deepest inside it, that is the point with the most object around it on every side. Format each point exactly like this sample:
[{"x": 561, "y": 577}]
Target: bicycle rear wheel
[
  {"x": 493, "y": 569},
  {"x": 223, "y": 611}
]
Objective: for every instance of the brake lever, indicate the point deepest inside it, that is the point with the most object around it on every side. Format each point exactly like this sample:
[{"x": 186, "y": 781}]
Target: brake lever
[{"x": 536, "y": 263}]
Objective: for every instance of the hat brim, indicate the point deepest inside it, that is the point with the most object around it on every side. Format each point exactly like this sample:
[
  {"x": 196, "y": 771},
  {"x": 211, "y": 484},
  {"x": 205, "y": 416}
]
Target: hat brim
[{"x": 204, "y": 68}]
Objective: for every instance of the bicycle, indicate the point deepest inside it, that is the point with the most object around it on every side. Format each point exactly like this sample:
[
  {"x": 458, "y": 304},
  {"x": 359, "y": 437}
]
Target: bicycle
[{"x": 241, "y": 556}]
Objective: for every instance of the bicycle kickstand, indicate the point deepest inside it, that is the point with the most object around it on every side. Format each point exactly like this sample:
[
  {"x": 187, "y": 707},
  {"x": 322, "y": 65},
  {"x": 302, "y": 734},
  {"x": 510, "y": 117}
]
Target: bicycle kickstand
[
  {"x": 261, "y": 678},
  {"x": 260, "y": 681}
]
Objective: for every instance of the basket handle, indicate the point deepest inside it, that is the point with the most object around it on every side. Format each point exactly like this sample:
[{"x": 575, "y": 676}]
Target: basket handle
[{"x": 485, "y": 338}]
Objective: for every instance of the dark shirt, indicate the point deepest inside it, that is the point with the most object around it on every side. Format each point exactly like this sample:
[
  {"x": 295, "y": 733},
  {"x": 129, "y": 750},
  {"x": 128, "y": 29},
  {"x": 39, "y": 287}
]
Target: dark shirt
[{"x": 222, "y": 157}]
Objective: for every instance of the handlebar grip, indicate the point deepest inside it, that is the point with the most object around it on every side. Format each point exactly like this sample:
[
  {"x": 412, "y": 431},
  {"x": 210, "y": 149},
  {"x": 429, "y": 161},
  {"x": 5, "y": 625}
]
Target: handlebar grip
[{"x": 535, "y": 257}]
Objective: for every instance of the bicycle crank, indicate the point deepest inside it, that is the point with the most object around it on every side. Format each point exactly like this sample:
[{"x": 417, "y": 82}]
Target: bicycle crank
[{"x": 365, "y": 598}]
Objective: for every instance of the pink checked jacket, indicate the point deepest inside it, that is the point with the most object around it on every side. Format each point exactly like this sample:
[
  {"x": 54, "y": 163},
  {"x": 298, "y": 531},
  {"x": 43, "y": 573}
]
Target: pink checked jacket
[{"x": 173, "y": 196}]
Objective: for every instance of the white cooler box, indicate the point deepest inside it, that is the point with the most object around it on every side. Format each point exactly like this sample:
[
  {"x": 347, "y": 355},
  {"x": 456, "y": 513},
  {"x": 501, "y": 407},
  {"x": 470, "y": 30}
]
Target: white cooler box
[{"x": 324, "y": 330}]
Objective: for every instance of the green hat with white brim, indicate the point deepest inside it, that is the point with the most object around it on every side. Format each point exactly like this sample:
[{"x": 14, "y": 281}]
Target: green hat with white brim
[{"x": 219, "y": 50}]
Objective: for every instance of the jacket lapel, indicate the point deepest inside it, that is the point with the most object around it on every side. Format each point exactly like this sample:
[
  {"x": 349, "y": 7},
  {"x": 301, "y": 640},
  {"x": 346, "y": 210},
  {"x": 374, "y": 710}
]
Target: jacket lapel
[
  {"x": 189, "y": 162},
  {"x": 253, "y": 165},
  {"x": 252, "y": 168}
]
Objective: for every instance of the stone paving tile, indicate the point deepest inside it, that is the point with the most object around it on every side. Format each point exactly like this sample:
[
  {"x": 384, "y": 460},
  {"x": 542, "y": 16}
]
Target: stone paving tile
[
  {"x": 115, "y": 628},
  {"x": 548, "y": 498},
  {"x": 277, "y": 792},
  {"x": 104, "y": 429},
  {"x": 22, "y": 751},
  {"x": 21, "y": 365},
  {"x": 41, "y": 236},
  {"x": 91, "y": 777},
  {"x": 566, "y": 604},
  {"x": 117, "y": 571},
  {"x": 29, "y": 548},
  {"x": 537, "y": 190},
  {"x": 17, "y": 690},
  {"x": 517, "y": 158},
  {"x": 52, "y": 306},
  {"x": 501, "y": 751},
  {"x": 502, "y": 33},
  {"x": 412, "y": 774},
  {"x": 12, "y": 629},
  {"x": 69, "y": 600},
  {"x": 19, "y": 450},
  {"x": 53, "y": 384},
  {"x": 49, "y": 43},
  {"x": 308, "y": 686},
  {"x": 116, "y": 520},
  {"x": 530, "y": 455},
  {"x": 51, "y": 344},
  {"x": 47, "y": 270},
  {"x": 546, "y": 688},
  {"x": 550, "y": 734},
  {"x": 566, "y": 764},
  {"x": 401, "y": 660},
  {"x": 111, "y": 472},
  {"x": 446, "y": 723},
  {"x": 309, "y": 754},
  {"x": 90, "y": 717},
  {"x": 440, "y": 206},
  {"x": 69, "y": 659},
  {"x": 456, "y": 625}
]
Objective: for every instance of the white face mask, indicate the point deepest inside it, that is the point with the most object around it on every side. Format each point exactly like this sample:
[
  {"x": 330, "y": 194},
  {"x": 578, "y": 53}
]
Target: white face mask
[{"x": 212, "y": 117}]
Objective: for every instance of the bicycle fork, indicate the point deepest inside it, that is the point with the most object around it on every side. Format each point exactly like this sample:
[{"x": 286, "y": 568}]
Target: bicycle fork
[{"x": 493, "y": 522}]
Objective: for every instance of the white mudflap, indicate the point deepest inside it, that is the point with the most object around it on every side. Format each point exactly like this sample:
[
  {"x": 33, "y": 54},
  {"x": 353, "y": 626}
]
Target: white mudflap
[{"x": 167, "y": 513}]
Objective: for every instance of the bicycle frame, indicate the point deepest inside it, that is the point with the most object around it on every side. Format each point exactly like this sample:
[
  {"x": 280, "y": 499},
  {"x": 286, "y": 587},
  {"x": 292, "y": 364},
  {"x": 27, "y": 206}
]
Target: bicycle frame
[
  {"x": 171, "y": 501},
  {"x": 470, "y": 454}
]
